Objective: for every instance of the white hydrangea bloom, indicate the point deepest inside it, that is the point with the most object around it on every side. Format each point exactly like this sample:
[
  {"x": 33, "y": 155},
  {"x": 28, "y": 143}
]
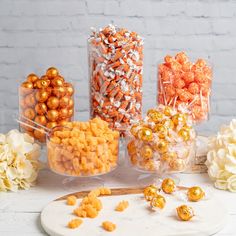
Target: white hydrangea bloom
[
  {"x": 19, "y": 161},
  {"x": 221, "y": 157}
]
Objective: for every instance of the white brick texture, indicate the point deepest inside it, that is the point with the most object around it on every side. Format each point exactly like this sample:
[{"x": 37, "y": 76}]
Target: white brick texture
[{"x": 36, "y": 34}]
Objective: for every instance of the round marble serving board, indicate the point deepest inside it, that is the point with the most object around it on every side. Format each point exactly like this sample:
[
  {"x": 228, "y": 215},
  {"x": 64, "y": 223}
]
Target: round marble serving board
[{"x": 138, "y": 219}]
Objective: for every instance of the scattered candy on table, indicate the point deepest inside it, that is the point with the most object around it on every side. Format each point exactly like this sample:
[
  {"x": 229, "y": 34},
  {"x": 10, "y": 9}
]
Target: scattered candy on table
[
  {"x": 71, "y": 200},
  {"x": 19, "y": 161},
  {"x": 195, "y": 194},
  {"x": 185, "y": 85},
  {"x": 83, "y": 148},
  {"x": 116, "y": 66},
  {"x": 221, "y": 157},
  {"x": 75, "y": 223},
  {"x": 122, "y": 206},
  {"x": 108, "y": 226},
  {"x": 168, "y": 186},
  {"x": 163, "y": 141},
  {"x": 158, "y": 202},
  {"x": 150, "y": 192},
  {"x": 185, "y": 212},
  {"x": 47, "y": 101}
]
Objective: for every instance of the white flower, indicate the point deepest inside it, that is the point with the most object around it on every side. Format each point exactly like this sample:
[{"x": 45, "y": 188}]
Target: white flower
[{"x": 221, "y": 157}]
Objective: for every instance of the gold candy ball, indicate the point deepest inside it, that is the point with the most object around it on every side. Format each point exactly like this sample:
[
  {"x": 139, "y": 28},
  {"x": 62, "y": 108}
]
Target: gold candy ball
[
  {"x": 134, "y": 130},
  {"x": 195, "y": 194},
  {"x": 185, "y": 212},
  {"x": 168, "y": 156},
  {"x": 41, "y": 120},
  {"x": 158, "y": 202},
  {"x": 150, "y": 192},
  {"x": 179, "y": 119},
  {"x": 168, "y": 186},
  {"x": 53, "y": 102},
  {"x": 29, "y": 113},
  {"x": 177, "y": 165},
  {"x": 161, "y": 146},
  {"x": 32, "y": 78},
  {"x": 52, "y": 115},
  {"x": 131, "y": 148},
  {"x": 184, "y": 133},
  {"x": 145, "y": 134},
  {"x": 41, "y": 108},
  {"x": 146, "y": 152},
  {"x": 161, "y": 130},
  {"x": 154, "y": 115},
  {"x": 52, "y": 72},
  {"x": 168, "y": 111},
  {"x": 57, "y": 81},
  {"x": 41, "y": 95},
  {"x": 168, "y": 124}
]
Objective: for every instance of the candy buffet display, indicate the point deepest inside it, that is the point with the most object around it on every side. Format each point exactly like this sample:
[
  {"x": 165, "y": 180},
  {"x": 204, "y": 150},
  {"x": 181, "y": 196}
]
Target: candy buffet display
[
  {"x": 185, "y": 85},
  {"x": 19, "y": 164},
  {"x": 163, "y": 141},
  {"x": 83, "y": 148},
  {"x": 47, "y": 101},
  {"x": 221, "y": 157},
  {"x": 115, "y": 71}
]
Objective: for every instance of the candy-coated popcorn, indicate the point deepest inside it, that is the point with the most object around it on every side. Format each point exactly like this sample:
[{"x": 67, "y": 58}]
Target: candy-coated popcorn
[
  {"x": 108, "y": 226},
  {"x": 84, "y": 149},
  {"x": 116, "y": 66},
  {"x": 122, "y": 206},
  {"x": 71, "y": 200},
  {"x": 182, "y": 84},
  {"x": 163, "y": 141},
  {"x": 75, "y": 223}
]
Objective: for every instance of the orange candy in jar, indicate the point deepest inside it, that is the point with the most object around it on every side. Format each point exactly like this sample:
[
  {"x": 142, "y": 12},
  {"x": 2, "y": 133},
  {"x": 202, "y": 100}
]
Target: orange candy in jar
[
  {"x": 47, "y": 101},
  {"x": 185, "y": 85},
  {"x": 164, "y": 141},
  {"x": 83, "y": 148},
  {"x": 115, "y": 70}
]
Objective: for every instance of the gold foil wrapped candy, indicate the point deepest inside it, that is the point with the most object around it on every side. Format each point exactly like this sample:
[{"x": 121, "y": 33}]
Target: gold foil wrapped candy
[
  {"x": 168, "y": 186},
  {"x": 185, "y": 212},
  {"x": 150, "y": 192},
  {"x": 158, "y": 202},
  {"x": 195, "y": 194}
]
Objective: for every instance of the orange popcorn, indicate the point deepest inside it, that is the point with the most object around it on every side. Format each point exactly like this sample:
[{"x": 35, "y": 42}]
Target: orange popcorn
[
  {"x": 122, "y": 206},
  {"x": 185, "y": 85},
  {"x": 75, "y": 223},
  {"x": 83, "y": 148},
  {"x": 71, "y": 200},
  {"x": 108, "y": 226}
]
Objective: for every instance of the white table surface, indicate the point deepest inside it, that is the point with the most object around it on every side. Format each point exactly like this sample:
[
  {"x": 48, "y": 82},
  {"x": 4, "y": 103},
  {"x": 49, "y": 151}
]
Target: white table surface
[{"x": 20, "y": 212}]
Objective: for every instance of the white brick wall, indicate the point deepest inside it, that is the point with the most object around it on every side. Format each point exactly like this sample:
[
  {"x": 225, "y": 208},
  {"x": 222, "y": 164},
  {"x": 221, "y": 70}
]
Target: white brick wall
[{"x": 36, "y": 34}]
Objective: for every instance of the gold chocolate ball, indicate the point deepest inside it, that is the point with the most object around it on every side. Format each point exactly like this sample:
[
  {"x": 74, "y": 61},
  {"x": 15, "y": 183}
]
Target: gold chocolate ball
[
  {"x": 150, "y": 192},
  {"x": 184, "y": 133},
  {"x": 168, "y": 186},
  {"x": 195, "y": 194},
  {"x": 161, "y": 130},
  {"x": 179, "y": 119},
  {"x": 22, "y": 104},
  {"x": 51, "y": 125},
  {"x": 134, "y": 130},
  {"x": 41, "y": 120},
  {"x": 155, "y": 115},
  {"x": 42, "y": 83},
  {"x": 158, "y": 202},
  {"x": 52, "y": 115},
  {"x": 177, "y": 165},
  {"x": 71, "y": 103},
  {"x": 69, "y": 89},
  {"x": 52, "y": 72},
  {"x": 168, "y": 124},
  {"x": 161, "y": 146},
  {"x": 168, "y": 111},
  {"x": 185, "y": 212},
  {"x": 168, "y": 156},
  {"x": 30, "y": 100},
  {"x": 63, "y": 122},
  {"x": 57, "y": 81},
  {"x": 26, "y": 88},
  {"x": 32, "y": 78},
  {"x": 40, "y": 135},
  {"x": 53, "y": 103},
  {"x": 63, "y": 113},
  {"x": 41, "y": 108},
  {"x": 131, "y": 148},
  {"x": 26, "y": 127},
  {"x": 145, "y": 134},
  {"x": 41, "y": 95},
  {"x": 64, "y": 102},
  {"x": 146, "y": 152},
  {"x": 59, "y": 91},
  {"x": 29, "y": 113},
  {"x": 70, "y": 112}
]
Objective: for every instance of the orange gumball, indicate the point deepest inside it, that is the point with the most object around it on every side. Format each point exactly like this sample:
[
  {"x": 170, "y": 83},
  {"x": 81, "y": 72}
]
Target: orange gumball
[
  {"x": 52, "y": 72},
  {"x": 57, "y": 81},
  {"x": 41, "y": 95},
  {"x": 59, "y": 91},
  {"x": 29, "y": 113},
  {"x": 32, "y": 78},
  {"x": 53, "y": 103},
  {"x": 30, "y": 100},
  {"x": 64, "y": 102},
  {"x": 41, "y": 108},
  {"x": 51, "y": 125},
  {"x": 52, "y": 115},
  {"x": 63, "y": 113},
  {"x": 41, "y": 120}
]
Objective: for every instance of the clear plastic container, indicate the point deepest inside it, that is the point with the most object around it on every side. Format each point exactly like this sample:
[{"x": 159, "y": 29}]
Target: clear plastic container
[
  {"x": 185, "y": 85},
  {"x": 45, "y": 102},
  {"x": 164, "y": 142},
  {"x": 115, "y": 72},
  {"x": 83, "y": 149}
]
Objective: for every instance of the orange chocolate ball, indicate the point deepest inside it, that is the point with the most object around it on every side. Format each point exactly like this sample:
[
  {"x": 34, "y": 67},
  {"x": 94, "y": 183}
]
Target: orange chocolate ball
[
  {"x": 69, "y": 89},
  {"x": 30, "y": 100},
  {"x": 53, "y": 103},
  {"x": 59, "y": 91},
  {"x": 63, "y": 122},
  {"x": 41, "y": 108},
  {"x": 52, "y": 115},
  {"x": 71, "y": 103},
  {"x": 41, "y": 120},
  {"x": 40, "y": 135},
  {"x": 57, "y": 81},
  {"x": 70, "y": 113},
  {"x": 42, "y": 83},
  {"x": 26, "y": 88},
  {"x": 41, "y": 95},
  {"x": 32, "y": 78},
  {"x": 63, "y": 113},
  {"x": 64, "y": 102},
  {"x": 29, "y": 113},
  {"x": 52, "y": 72},
  {"x": 51, "y": 125}
]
